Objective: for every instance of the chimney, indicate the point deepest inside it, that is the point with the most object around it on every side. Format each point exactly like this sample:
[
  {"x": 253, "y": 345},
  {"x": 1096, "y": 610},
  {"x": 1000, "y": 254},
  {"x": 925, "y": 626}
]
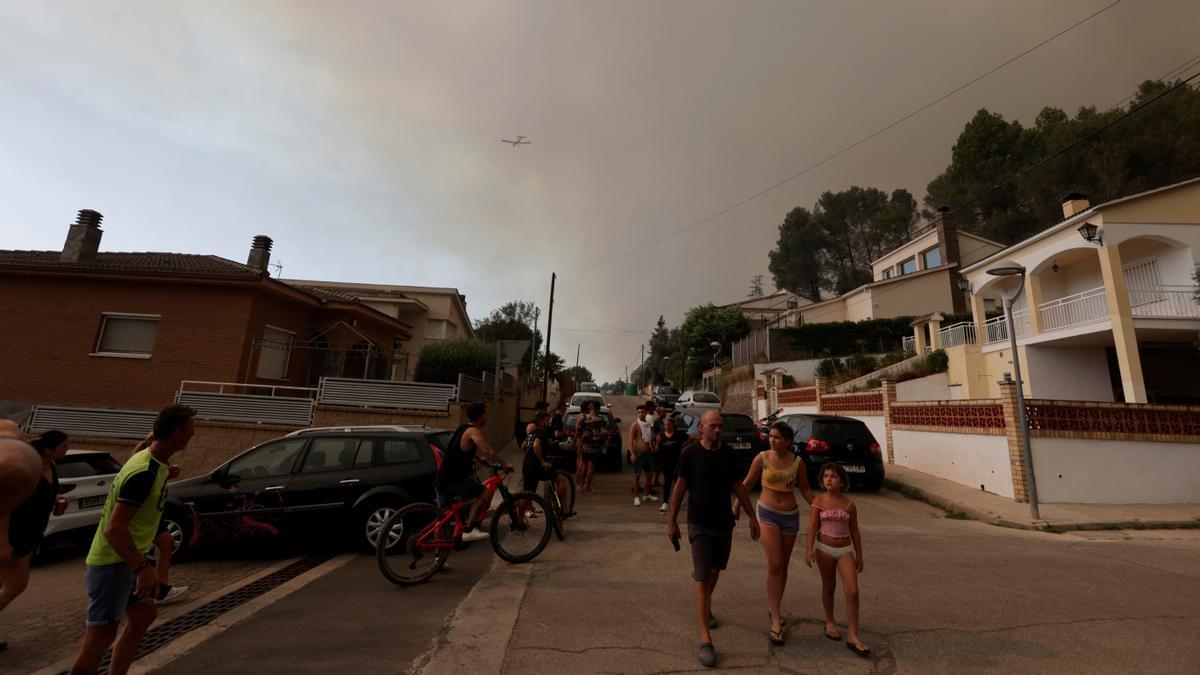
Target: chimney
[
  {"x": 83, "y": 239},
  {"x": 1074, "y": 203},
  {"x": 260, "y": 253},
  {"x": 947, "y": 233}
]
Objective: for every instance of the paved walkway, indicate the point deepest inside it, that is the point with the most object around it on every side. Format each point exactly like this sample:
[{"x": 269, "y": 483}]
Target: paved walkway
[{"x": 998, "y": 510}]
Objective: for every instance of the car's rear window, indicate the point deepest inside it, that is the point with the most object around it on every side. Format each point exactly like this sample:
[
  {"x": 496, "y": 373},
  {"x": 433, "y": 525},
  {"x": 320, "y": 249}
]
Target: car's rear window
[
  {"x": 571, "y": 418},
  {"x": 738, "y": 424},
  {"x": 82, "y": 466},
  {"x": 703, "y": 397},
  {"x": 668, "y": 390},
  {"x": 837, "y": 431}
]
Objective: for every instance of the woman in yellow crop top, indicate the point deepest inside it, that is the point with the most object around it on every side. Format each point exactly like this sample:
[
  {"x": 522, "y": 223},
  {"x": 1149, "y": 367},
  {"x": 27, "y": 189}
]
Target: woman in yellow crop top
[{"x": 782, "y": 473}]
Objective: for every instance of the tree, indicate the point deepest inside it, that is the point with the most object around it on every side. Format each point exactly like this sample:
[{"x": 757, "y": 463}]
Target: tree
[
  {"x": 577, "y": 374},
  {"x": 1157, "y": 147},
  {"x": 554, "y": 361},
  {"x": 795, "y": 264},
  {"x": 706, "y": 324},
  {"x": 756, "y": 286},
  {"x": 512, "y": 321},
  {"x": 443, "y": 360}
]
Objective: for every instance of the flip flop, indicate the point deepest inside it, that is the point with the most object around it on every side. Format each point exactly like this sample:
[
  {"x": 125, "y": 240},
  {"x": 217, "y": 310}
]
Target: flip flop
[
  {"x": 775, "y": 638},
  {"x": 864, "y": 652},
  {"x": 782, "y": 620},
  {"x": 835, "y": 636}
]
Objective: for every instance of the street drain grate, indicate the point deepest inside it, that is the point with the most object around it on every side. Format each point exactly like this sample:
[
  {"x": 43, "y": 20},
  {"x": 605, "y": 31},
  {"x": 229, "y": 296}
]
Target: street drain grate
[{"x": 162, "y": 635}]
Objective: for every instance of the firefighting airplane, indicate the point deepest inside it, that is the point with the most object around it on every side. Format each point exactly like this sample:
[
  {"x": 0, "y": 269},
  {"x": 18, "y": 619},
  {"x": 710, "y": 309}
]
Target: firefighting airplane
[{"x": 520, "y": 141}]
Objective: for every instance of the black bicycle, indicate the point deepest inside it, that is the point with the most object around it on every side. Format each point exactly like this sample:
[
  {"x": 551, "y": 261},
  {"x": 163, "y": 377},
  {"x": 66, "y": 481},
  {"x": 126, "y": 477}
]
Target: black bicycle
[{"x": 560, "y": 510}]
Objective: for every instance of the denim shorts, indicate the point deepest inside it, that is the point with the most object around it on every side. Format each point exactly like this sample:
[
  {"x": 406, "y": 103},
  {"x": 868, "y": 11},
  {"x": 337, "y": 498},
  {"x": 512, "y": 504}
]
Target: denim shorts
[
  {"x": 641, "y": 465},
  {"x": 110, "y": 592},
  {"x": 786, "y": 523}
]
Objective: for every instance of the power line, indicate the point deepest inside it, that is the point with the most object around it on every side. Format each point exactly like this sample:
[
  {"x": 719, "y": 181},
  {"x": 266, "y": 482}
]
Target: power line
[{"x": 847, "y": 148}]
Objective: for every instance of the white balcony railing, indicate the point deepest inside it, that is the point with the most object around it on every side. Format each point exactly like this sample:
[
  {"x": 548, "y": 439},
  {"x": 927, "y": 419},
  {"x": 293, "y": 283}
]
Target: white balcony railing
[
  {"x": 1074, "y": 310},
  {"x": 1164, "y": 301},
  {"x": 962, "y": 333},
  {"x": 909, "y": 344},
  {"x": 997, "y": 328}
]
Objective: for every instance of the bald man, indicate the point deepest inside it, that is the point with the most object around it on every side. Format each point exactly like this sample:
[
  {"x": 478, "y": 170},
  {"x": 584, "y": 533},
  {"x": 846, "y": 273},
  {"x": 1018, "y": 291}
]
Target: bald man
[{"x": 20, "y": 470}]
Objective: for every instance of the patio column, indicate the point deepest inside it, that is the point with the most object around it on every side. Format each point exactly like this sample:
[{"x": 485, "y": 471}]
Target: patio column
[
  {"x": 935, "y": 337},
  {"x": 919, "y": 333},
  {"x": 979, "y": 315},
  {"x": 1033, "y": 290},
  {"x": 1124, "y": 336}
]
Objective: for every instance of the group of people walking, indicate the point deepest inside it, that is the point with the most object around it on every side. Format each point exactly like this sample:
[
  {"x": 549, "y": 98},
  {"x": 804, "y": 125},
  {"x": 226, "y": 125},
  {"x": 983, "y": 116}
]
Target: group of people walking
[{"x": 122, "y": 580}]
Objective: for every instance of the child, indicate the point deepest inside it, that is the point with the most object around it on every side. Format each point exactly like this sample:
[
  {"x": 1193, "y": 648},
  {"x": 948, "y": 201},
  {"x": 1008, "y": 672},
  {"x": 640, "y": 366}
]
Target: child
[{"x": 835, "y": 543}]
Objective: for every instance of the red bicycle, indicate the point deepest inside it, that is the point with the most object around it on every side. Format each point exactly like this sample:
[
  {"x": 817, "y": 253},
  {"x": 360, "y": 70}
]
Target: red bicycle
[{"x": 417, "y": 539}]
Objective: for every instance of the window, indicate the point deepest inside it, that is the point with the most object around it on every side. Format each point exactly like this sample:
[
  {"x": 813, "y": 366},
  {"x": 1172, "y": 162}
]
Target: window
[
  {"x": 340, "y": 453},
  {"x": 400, "y": 451},
  {"x": 83, "y": 466},
  {"x": 129, "y": 335},
  {"x": 889, "y": 273},
  {"x": 931, "y": 258},
  {"x": 274, "y": 352},
  {"x": 275, "y": 459},
  {"x": 705, "y": 397},
  {"x": 435, "y": 329},
  {"x": 908, "y": 266},
  {"x": 739, "y": 424}
]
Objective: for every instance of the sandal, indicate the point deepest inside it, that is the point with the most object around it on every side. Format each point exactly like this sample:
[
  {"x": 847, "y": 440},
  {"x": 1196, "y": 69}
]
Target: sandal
[
  {"x": 864, "y": 652},
  {"x": 782, "y": 619},
  {"x": 775, "y": 637},
  {"x": 835, "y": 636}
]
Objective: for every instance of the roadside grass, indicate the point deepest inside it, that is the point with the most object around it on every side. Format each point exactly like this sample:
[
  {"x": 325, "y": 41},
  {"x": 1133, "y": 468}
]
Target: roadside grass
[{"x": 913, "y": 493}]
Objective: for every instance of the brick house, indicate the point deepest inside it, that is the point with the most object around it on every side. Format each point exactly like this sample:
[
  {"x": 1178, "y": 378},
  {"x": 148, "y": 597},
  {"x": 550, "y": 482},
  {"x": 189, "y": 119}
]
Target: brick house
[{"x": 122, "y": 330}]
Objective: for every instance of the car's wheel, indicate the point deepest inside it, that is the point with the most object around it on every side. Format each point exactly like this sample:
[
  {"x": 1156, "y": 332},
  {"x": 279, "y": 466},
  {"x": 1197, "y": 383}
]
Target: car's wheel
[
  {"x": 176, "y": 525},
  {"x": 374, "y": 516}
]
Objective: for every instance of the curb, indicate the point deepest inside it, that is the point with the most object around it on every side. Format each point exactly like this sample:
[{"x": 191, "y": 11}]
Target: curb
[
  {"x": 974, "y": 513},
  {"x": 185, "y": 643}
]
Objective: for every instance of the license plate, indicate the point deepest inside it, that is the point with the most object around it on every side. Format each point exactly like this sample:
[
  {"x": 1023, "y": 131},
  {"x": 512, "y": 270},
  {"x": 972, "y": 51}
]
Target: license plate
[
  {"x": 92, "y": 502},
  {"x": 855, "y": 468},
  {"x": 740, "y": 446}
]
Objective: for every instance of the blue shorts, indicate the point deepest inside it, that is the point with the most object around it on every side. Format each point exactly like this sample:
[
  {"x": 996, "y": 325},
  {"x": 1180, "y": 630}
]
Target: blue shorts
[
  {"x": 642, "y": 464},
  {"x": 110, "y": 592}
]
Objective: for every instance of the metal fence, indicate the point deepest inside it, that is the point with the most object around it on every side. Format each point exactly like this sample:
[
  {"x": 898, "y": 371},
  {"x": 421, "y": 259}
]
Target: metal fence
[
  {"x": 470, "y": 389},
  {"x": 241, "y": 402},
  {"x": 386, "y": 394},
  {"x": 92, "y": 421}
]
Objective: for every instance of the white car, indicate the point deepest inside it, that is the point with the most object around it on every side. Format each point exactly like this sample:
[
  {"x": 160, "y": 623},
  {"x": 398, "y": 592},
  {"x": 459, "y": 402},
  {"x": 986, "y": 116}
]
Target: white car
[
  {"x": 704, "y": 400},
  {"x": 84, "y": 477},
  {"x": 577, "y": 400}
]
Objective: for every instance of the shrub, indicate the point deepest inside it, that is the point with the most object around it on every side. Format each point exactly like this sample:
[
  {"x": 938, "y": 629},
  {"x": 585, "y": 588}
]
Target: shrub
[
  {"x": 828, "y": 368},
  {"x": 862, "y": 363},
  {"x": 937, "y": 361},
  {"x": 443, "y": 360},
  {"x": 842, "y": 338},
  {"x": 891, "y": 359},
  {"x": 789, "y": 382}
]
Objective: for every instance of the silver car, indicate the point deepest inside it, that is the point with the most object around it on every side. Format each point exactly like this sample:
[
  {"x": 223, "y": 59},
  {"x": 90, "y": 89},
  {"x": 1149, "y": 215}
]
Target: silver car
[
  {"x": 698, "y": 400},
  {"x": 84, "y": 477}
]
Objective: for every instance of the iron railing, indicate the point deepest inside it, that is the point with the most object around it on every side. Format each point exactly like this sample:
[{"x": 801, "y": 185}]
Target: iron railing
[
  {"x": 909, "y": 344},
  {"x": 386, "y": 394},
  {"x": 1164, "y": 301},
  {"x": 1074, "y": 310},
  {"x": 962, "y": 333},
  {"x": 92, "y": 421},
  {"x": 997, "y": 328}
]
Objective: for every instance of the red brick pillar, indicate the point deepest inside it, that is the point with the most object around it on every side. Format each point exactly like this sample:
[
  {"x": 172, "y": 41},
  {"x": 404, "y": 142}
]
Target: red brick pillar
[
  {"x": 888, "y": 389},
  {"x": 820, "y": 384},
  {"x": 1012, "y": 431}
]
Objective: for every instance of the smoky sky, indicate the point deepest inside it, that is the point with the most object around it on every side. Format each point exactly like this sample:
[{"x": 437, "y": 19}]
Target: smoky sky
[{"x": 363, "y": 137}]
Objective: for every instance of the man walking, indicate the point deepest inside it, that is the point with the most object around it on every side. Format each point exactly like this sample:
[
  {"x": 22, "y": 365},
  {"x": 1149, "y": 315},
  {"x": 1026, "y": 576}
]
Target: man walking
[
  {"x": 640, "y": 435},
  {"x": 120, "y": 579},
  {"x": 708, "y": 471}
]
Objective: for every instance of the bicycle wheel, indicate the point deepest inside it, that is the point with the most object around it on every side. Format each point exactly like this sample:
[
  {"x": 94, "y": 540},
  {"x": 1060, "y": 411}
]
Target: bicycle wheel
[
  {"x": 550, "y": 494},
  {"x": 521, "y": 527},
  {"x": 404, "y": 550},
  {"x": 570, "y": 505}
]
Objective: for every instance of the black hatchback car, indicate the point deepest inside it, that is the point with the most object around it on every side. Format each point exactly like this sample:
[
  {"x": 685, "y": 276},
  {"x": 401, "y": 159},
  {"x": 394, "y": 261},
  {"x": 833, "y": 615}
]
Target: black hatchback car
[
  {"x": 840, "y": 440},
  {"x": 738, "y": 432},
  {"x": 343, "y": 480}
]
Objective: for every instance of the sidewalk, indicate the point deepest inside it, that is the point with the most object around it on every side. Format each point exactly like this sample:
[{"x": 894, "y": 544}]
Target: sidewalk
[{"x": 1002, "y": 511}]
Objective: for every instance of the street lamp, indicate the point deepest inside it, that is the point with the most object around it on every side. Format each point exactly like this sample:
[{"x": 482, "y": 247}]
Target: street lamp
[
  {"x": 667, "y": 368},
  {"x": 1009, "y": 269},
  {"x": 716, "y": 351}
]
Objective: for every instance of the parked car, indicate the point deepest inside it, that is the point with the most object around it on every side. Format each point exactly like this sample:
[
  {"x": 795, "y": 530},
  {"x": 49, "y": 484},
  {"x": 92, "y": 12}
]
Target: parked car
[
  {"x": 84, "y": 477},
  {"x": 698, "y": 399},
  {"x": 665, "y": 395},
  {"x": 345, "y": 480},
  {"x": 591, "y": 387},
  {"x": 738, "y": 432},
  {"x": 612, "y": 449},
  {"x": 842, "y": 440}
]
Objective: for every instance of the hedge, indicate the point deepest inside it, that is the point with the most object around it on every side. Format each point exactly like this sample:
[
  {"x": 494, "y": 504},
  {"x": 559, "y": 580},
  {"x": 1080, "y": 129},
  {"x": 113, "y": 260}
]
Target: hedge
[
  {"x": 843, "y": 338},
  {"x": 443, "y": 360}
]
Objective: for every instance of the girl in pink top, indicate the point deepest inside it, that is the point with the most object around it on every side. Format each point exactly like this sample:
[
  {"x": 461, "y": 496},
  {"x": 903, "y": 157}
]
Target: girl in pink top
[{"x": 835, "y": 544}]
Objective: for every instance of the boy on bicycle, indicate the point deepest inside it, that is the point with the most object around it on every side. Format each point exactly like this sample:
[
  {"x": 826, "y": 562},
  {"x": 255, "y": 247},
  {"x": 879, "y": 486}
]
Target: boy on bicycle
[{"x": 456, "y": 477}]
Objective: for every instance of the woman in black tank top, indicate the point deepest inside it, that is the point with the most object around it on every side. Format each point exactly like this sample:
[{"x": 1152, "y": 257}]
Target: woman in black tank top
[{"x": 28, "y": 521}]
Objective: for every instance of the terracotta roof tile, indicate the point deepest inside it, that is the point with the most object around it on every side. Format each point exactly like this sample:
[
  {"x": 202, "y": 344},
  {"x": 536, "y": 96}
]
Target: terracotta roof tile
[{"x": 181, "y": 263}]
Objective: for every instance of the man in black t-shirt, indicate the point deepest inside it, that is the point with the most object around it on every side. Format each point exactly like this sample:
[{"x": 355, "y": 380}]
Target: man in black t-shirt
[{"x": 708, "y": 470}]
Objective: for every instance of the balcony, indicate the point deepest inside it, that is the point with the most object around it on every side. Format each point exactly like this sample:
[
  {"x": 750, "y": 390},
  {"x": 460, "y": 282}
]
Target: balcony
[
  {"x": 997, "y": 328},
  {"x": 1074, "y": 310},
  {"x": 962, "y": 333},
  {"x": 1171, "y": 302}
]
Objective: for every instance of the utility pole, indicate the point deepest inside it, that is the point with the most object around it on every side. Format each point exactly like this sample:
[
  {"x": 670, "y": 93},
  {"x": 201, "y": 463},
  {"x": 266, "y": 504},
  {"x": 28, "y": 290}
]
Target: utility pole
[
  {"x": 642, "y": 370},
  {"x": 549, "y": 327},
  {"x": 533, "y": 343}
]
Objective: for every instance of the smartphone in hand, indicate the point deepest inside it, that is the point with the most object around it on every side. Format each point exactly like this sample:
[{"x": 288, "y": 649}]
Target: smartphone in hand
[{"x": 675, "y": 542}]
